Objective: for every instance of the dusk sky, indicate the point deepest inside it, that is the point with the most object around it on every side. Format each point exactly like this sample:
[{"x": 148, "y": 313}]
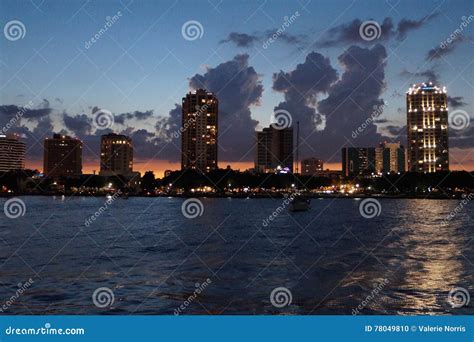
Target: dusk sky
[{"x": 319, "y": 69}]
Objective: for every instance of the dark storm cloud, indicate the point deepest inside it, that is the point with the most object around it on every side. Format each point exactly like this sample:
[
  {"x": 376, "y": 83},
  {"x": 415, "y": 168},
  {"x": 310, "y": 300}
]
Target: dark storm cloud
[
  {"x": 355, "y": 97},
  {"x": 142, "y": 115},
  {"x": 8, "y": 111},
  {"x": 350, "y": 102},
  {"x": 445, "y": 49},
  {"x": 456, "y": 102},
  {"x": 15, "y": 115},
  {"x": 407, "y": 25},
  {"x": 301, "y": 87},
  {"x": 461, "y": 138},
  {"x": 428, "y": 75},
  {"x": 238, "y": 87},
  {"x": 79, "y": 124},
  {"x": 313, "y": 76},
  {"x": 348, "y": 33},
  {"x": 248, "y": 40},
  {"x": 396, "y": 132},
  {"x": 381, "y": 120},
  {"x": 136, "y": 115},
  {"x": 240, "y": 39},
  {"x": 173, "y": 122}
]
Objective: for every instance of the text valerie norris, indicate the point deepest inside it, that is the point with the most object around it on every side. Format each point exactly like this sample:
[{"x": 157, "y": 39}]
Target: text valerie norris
[{"x": 441, "y": 328}]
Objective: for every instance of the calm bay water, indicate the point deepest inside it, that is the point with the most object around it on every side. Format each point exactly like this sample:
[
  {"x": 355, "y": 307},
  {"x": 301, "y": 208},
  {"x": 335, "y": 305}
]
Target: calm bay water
[{"x": 330, "y": 258}]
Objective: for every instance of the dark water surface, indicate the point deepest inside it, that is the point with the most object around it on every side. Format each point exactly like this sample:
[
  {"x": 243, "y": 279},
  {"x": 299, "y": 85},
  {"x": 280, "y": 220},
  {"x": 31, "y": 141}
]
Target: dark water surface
[{"x": 151, "y": 256}]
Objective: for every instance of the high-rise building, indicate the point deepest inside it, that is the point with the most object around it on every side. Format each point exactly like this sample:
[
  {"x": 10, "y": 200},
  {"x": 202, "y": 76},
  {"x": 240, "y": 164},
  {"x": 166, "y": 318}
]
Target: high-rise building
[
  {"x": 274, "y": 150},
  {"x": 116, "y": 155},
  {"x": 311, "y": 166},
  {"x": 62, "y": 156},
  {"x": 390, "y": 157},
  {"x": 358, "y": 161},
  {"x": 199, "y": 131},
  {"x": 12, "y": 153},
  {"x": 427, "y": 128}
]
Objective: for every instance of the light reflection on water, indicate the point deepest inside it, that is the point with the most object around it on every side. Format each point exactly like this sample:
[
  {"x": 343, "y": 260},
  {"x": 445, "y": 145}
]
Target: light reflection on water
[{"x": 151, "y": 256}]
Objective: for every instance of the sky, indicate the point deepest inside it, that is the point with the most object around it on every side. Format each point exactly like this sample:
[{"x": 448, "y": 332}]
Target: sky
[{"x": 72, "y": 62}]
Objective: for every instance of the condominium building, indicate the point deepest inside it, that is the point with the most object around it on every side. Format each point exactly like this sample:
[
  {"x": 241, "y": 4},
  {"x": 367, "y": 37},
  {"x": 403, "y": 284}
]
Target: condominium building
[
  {"x": 116, "y": 155},
  {"x": 12, "y": 153},
  {"x": 62, "y": 156},
  {"x": 390, "y": 157},
  {"x": 199, "y": 131},
  {"x": 311, "y": 166},
  {"x": 427, "y": 128},
  {"x": 274, "y": 150},
  {"x": 358, "y": 161}
]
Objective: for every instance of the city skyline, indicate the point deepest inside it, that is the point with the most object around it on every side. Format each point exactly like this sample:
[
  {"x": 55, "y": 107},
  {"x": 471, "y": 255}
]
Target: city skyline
[
  {"x": 325, "y": 74},
  {"x": 308, "y": 159},
  {"x": 275, "y": 146}
]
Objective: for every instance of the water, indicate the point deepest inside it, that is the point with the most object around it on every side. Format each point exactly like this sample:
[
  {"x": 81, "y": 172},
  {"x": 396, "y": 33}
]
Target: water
[{"x": 331, "y": 259}]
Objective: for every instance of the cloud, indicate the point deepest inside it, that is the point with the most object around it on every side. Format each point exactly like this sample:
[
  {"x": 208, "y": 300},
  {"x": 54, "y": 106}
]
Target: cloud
[
  {"x": 407, "y": 25},
  {"x": 354, "y": 98},
  {"x": 396, "y": 132},
  {"x": 428, "y": 75},
  {"x": 302, "y": 86},
  {"x": 79, "y": 124},
  {"x": 248, "y": 40},
  {"x": 348, "y": 33},
  {"x": 325, "y": 124},
  {"x": 7, "y": 112},
  {"x": 445, "y": 49},
  {"x": 136, "y": 115},
  {"x": 461, "y": 138},
  {"x": 240, "y": 39},
  {"x": 456, "y": 102},
  {"x": 238, "y": 87}
]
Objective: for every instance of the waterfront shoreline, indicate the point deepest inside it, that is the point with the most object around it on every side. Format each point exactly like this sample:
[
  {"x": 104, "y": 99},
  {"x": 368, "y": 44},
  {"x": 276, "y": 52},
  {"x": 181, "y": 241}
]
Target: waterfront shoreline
[{"x": 457, "y": 196}]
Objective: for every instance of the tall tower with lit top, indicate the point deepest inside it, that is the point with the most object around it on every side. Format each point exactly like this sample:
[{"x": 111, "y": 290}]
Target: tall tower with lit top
[{"x": 427, "y": 128}]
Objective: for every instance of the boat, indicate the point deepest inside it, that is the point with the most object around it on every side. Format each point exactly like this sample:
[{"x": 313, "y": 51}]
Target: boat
[{"x": 299, "y": 203}]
